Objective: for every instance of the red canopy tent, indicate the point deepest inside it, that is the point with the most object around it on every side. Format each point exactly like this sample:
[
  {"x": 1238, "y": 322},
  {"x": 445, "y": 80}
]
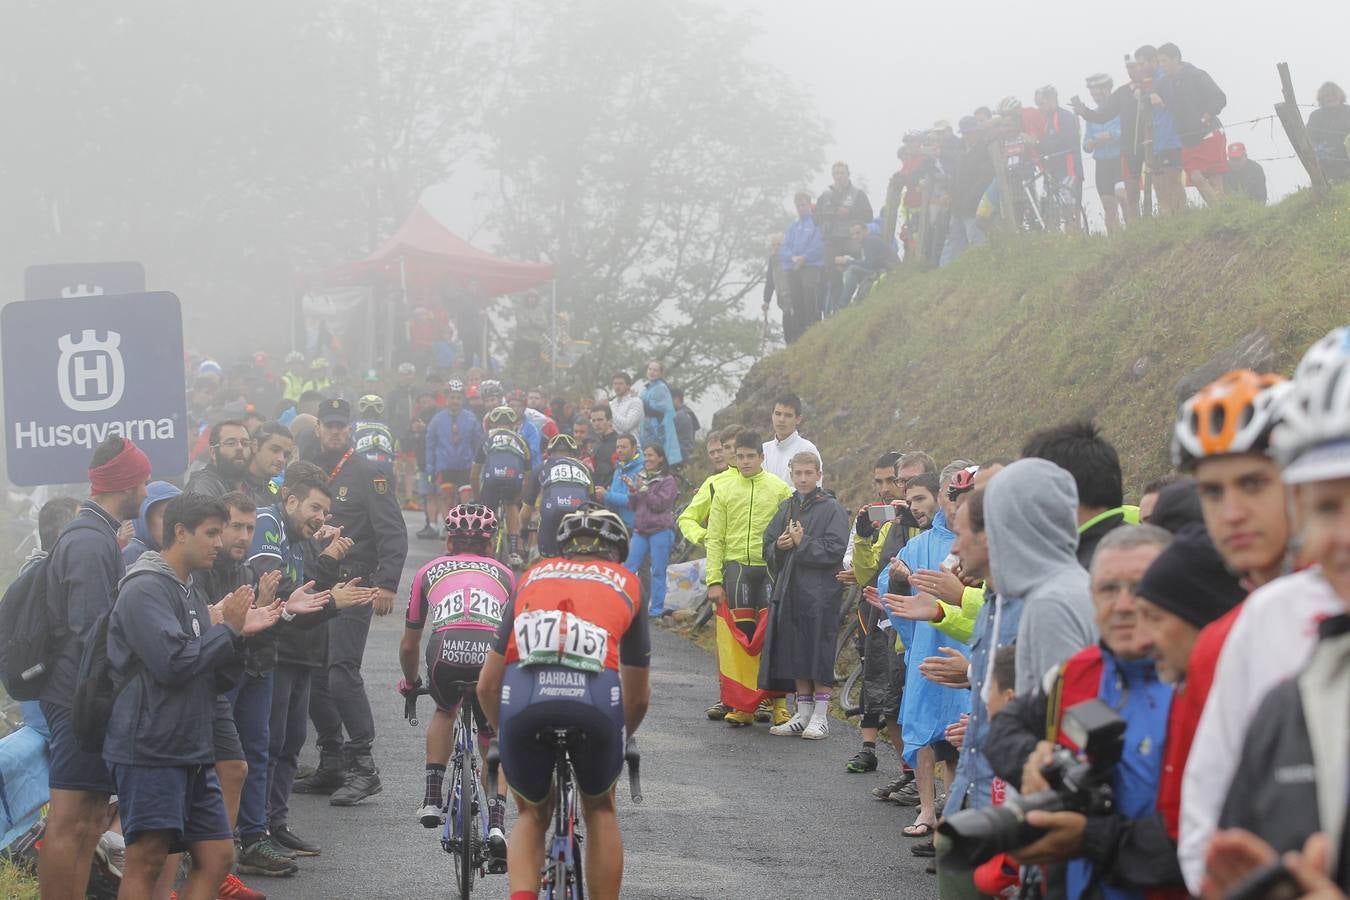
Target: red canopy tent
[{"x": 423, "y": 255}]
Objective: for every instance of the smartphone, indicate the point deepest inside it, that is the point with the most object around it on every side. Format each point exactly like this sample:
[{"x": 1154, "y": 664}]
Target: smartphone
[
  {"x": 880, "y": 512},
  {"x": 1272, "y": 882}
]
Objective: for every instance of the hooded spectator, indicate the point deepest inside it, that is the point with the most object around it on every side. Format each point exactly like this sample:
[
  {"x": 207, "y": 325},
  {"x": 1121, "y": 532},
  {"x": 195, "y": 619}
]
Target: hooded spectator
[
  {"x": 149, "y": 523},
  {"x": 658, "y": 425}
]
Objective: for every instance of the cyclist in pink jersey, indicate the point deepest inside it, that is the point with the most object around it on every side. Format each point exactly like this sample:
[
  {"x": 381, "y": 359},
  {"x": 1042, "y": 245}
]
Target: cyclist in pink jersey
[{"x": 461, "y": 597}]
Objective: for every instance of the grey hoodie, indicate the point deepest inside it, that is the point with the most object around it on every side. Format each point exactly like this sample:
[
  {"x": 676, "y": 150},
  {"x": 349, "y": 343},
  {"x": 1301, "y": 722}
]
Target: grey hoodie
[
  {"x": 1030, "y": 519},
  {"x": 162, "y": 645}
]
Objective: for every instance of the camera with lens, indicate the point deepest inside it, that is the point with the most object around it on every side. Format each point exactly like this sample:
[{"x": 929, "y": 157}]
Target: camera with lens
[{"x": 1076, "y": 785}]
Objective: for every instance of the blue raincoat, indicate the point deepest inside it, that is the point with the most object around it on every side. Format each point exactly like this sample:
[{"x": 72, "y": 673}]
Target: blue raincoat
[
  {"x": 926, "y": 709},
  {"x": 660, "y": 429}
]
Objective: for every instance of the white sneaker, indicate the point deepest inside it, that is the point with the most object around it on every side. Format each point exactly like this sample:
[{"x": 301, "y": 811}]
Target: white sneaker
[
  {"x": 112, "y": 851},
  {"x": 793, "y": 727},
  {"x": 816, "y": 730},
  {"x": 430, "y": 816}
]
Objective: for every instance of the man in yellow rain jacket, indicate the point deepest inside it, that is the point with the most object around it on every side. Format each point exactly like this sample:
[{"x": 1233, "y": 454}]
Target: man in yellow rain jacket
[{"x": 738, "y": 579}]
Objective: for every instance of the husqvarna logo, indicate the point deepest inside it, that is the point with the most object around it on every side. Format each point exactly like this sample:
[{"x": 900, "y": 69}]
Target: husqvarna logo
[{"x": 89, "y": 375}]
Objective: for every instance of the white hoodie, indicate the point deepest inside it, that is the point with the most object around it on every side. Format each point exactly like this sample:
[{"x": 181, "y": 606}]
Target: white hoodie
[{"x": 1271, "y": 640}]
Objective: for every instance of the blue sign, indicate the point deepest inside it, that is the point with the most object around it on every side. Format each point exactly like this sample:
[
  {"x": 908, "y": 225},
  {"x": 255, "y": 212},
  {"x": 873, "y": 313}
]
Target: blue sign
[
  {"x": 67, "y": 280},
  {"x": 77, "y": 371}
]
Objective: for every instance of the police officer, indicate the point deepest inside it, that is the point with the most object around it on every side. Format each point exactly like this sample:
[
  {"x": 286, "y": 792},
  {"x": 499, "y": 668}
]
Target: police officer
[{"x": 365, "y": 507}]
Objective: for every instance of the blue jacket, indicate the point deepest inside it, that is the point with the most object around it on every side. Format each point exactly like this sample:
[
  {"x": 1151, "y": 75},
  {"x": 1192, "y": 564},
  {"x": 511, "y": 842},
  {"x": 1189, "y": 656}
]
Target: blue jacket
[
  {"x": 616, "y": 498},
  {"x": 155, "y": 492},
  {"x": 1109, "y": 151},
  {"x": 926, "y": 708},
  {"x": 660, "y": 429},
  {"x": 443, "y": 450},
  {"x": 165, "y": 655},
  {"x": 1133, "y": 690},
  {"x": 973, "y": 785},
  {"x": 1166, "y": 136},
  {"x": 803, "y": 239}
]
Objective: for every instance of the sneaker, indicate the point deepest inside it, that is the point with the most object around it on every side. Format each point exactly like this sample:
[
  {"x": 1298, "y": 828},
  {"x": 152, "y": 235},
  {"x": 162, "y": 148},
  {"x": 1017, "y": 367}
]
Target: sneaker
[
  {"x": 496, "y": 851},
  {"x": 362, "y": 781},
  {"x": 288, "y": 840},
  {"x": 884, "y": 792},
  {"x": 263, "y": 857},
  {"x": 718, "y": 711},
  {"x": 321, "y": 781},
  {"x": 430, "y": 815},
  {"x": 793, "y": 727},
  {"x": 764, "y": 712},
  {"x": 428, "y": 534},
  {"x": 816, "y": 730},
  {"x": 234, "y": 889},
  {"x": 112, "y": 852},
  {"x": 738, "y": 719},
  {"x": 780, "y": 712},
  {"x": 908, "y": 795},
  {"x": 865, "y": 760}
]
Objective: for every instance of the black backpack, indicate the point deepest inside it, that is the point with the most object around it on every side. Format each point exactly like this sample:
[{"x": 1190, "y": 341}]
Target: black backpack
[
  {"x": 94, "y": 690},
  {"x": 29, "y": 630}
]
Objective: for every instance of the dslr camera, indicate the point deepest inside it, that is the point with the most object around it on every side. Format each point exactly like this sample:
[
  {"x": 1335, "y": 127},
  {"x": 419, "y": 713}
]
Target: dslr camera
[{"x": 1076, "y": 785}]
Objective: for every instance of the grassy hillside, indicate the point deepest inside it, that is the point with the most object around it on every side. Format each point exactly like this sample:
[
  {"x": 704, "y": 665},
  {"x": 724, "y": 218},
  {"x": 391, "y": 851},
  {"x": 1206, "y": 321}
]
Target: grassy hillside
[{"x": 1040, "y": 329}]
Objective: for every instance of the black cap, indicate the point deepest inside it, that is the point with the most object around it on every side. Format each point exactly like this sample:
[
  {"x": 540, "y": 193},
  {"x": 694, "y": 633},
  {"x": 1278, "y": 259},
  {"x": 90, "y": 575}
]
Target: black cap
[
  {"x": 1189, "y": 579},
  {"x": 335, "y": 411}
]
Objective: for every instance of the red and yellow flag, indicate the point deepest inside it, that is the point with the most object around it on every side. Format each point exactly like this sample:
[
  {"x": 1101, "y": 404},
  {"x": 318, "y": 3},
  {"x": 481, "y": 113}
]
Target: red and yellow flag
[{"x": 740, "y": 638}]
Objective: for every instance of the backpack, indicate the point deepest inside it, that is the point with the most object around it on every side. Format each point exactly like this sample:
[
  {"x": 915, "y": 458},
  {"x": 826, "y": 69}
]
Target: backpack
[
  {"x": 29, "y": 630},
  {"x": 94, "y": 689}
]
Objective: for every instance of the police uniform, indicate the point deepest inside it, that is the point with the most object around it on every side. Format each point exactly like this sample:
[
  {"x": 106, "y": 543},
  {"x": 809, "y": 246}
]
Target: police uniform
[{"x": 365, "y": 505}]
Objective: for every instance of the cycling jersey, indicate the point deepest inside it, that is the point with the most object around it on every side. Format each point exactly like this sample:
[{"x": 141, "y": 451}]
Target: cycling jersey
[
  {"x": 559, "y": 486},
  {"x": 504, "y": 456},
  {"x": 375, "y": 442}
]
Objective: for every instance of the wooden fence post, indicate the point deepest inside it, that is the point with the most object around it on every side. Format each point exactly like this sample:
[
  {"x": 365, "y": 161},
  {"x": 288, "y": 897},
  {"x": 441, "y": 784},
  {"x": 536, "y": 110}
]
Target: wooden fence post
[{"x": 1292, "y": 120}]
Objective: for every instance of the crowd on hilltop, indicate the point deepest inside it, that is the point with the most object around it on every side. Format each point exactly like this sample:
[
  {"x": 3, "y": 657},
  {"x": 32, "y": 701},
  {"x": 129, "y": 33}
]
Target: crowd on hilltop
[
  {"x": 1021, "y": 166},
  {"x": 1084, "y": 697}
]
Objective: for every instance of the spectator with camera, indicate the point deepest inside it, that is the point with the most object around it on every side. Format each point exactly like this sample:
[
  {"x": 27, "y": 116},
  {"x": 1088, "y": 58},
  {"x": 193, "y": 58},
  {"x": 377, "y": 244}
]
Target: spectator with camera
[{"x": 1124, "y": 850}]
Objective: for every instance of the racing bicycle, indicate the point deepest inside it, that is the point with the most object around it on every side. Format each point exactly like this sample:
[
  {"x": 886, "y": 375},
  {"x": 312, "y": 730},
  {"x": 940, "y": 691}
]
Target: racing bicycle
[{"x": 464, "y": 832}]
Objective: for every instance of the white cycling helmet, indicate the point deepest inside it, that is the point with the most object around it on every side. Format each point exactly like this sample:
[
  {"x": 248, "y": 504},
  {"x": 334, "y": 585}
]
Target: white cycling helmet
[{"x": 1312, "y": 441}]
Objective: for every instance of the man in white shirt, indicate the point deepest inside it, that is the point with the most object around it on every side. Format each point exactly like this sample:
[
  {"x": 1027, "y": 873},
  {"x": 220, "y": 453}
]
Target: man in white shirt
[
  {"x": 786, "y": 441},
  {"x": 626, "y": 406}
]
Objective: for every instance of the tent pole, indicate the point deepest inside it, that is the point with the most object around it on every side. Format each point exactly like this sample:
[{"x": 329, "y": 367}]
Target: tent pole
[{"x": 553, "y": 320}]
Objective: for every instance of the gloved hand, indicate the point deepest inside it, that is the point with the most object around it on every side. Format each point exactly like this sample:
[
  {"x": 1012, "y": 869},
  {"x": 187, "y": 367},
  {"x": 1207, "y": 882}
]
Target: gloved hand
[{"x": 407, "y": 689}]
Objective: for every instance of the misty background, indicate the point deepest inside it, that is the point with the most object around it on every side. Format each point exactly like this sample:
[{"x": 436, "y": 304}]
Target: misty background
[{"x": 646, "y": 149}]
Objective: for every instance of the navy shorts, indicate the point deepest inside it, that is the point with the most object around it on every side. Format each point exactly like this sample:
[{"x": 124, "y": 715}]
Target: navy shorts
[
  {"x": 501, "y": 491},
  {"x": 538, "y": 698},
  {"x": 225, "y": 732},
  {"x": 185, "y": 800},
  {"x": 72, "y": 769}
]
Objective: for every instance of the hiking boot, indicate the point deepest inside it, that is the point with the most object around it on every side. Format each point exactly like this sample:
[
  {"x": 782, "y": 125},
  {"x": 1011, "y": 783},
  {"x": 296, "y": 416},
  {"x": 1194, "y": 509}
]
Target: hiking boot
[
  {"x": 289, "y": 840},
  {"x": 363, "y": 780},
  {"x": 779, "y": 711},
  {"x": 738, "y": 719},
  {"x": 325, "y": 779},
  {"x": 816, "y": 730},
  {"x": 764, "y": 712},
  {"x": 908, "y": 795},
  {"x": 263, "y": 857},
  {"x": 234, "y": 889},
  {"x": 884, "y": 792},
  {"x": 865, "y": 760},
  {"x": 718, "y": 711},
  {"x": 496, "y": 850},
  {"x": 793, "y": 727},
  {"x": 428, "y": 533}
]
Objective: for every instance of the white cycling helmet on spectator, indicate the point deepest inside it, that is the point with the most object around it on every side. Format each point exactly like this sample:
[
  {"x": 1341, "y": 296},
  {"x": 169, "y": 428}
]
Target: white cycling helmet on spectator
[{"x": 1312, "y": 441}]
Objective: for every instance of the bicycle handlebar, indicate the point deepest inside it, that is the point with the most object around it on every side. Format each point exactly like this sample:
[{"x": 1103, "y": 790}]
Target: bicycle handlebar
[
  {"x": 634, "y": 760},
  {"x": 410, "y": 705}
]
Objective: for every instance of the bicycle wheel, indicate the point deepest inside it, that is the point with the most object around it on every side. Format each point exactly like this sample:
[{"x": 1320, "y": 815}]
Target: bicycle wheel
[
  {"x": 468, "y": 838},
  {"x": 578, "y": 885}
]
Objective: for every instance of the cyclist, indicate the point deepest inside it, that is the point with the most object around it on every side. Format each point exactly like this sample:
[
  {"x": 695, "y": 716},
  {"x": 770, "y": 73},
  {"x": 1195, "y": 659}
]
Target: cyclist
[
  {"x": 535, "y": 680},
  {"x": 499, "y": 470},
  {"x": 461, "y": 596},
  {"x": 560, "y": 484},
  {"x": 371, "y": 437}
]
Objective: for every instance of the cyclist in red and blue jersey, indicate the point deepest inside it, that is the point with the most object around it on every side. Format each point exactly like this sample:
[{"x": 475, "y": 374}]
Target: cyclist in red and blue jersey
[
  {"x": 499, "y": 470},
  {"x": 562, "y": 483},
  {"x": 573, "y": 651},
  {"x": 461, "y": 596}
]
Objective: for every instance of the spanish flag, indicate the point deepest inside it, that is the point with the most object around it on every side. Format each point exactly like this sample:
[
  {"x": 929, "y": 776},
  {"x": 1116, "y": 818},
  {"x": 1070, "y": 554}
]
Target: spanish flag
[{"x": 740, "y": 638}]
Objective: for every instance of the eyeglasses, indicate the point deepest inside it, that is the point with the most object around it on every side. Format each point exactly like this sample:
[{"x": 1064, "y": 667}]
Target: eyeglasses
[{"x": 233, "y": 443}]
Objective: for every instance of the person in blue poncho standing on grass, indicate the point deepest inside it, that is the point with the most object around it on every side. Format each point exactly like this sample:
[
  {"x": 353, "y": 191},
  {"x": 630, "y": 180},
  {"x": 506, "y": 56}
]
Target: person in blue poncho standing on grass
[
  {"x": 926, "y": 708},
  {"x": 658, "y": 423}
]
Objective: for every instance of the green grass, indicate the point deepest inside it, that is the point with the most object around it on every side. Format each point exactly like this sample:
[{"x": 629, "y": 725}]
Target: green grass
[
  {"x": 17, "y": 883},
  {"x": 1035, "y": 330}
]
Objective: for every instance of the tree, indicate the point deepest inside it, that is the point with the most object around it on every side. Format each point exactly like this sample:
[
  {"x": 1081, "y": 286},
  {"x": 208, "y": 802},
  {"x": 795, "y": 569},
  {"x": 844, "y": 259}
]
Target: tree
[
  {"x": 232, "y": 148},
  {"x": 639, "y": 148}
]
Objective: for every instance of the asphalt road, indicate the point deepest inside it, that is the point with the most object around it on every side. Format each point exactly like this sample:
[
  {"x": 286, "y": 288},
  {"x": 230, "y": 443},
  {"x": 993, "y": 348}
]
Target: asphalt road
[{"x": 726, "y": 812}]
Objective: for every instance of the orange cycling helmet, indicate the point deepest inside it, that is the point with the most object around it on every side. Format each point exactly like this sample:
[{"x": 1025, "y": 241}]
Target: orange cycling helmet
[{"x": 1234, "y": 414}]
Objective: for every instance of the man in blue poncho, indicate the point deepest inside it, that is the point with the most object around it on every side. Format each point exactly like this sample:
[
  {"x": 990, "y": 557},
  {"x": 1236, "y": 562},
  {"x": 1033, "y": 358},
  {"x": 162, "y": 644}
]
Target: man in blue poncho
[
  {"x": 658, "y": 423},
  {"x": 926, "y": 708}
]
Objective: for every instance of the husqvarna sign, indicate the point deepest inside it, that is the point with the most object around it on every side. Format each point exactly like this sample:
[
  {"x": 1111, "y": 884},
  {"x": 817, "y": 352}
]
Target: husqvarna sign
[{"x": 79, "y": 370}]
